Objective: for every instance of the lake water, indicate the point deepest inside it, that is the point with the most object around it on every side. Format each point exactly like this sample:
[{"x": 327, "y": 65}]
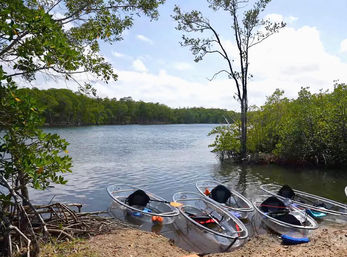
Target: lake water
[{"x": 165, "y": 159}]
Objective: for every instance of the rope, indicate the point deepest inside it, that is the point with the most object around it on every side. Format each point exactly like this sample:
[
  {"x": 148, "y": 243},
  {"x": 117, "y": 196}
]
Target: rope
[
  {"x": 231, "y": 244},
  {"x": 273, "y": 206},
  {"x": 283, "y": 207}
]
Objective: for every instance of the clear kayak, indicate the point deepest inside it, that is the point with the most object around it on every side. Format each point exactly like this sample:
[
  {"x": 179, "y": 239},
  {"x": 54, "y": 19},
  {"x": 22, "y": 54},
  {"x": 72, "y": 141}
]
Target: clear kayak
[
  {"x": 156, "y": 206},
  {"x": 308, "y": 201},
  {"x": 236, "y": 204},
  {"x": 284, "y": 219},
  {"x": 209, "y": 217}
]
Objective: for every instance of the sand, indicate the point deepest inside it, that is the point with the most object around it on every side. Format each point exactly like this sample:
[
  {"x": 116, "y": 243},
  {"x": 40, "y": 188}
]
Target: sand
[{"x": 325, "y": 241}]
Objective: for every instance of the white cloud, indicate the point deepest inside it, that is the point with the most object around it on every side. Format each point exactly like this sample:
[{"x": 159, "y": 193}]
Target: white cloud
[
  {"x": 343, "y": 46},
  {"x": 138, "y": 65},
  {"x": 291, "y": 19},
  {"x": 117, "y": 54},
  {"x": 170, "y": 90},
  {"x": 183, "y": 66},
  {"x": 291, "y": 59},
  {"x": 274, "y": 17},
  {"x": 287, "y": 60},
  {"x": 145, "y": 39}
]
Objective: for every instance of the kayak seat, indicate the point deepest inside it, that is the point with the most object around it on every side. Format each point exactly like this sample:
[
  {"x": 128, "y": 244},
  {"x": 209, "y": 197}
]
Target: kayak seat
[
  {"x": 220, "y": 194},
  {"x": 288, "y": 218},
  {"x": 139, "y": 197},
  {"x": 286, "y": 192},
  {"x": 273, "y": 205}
]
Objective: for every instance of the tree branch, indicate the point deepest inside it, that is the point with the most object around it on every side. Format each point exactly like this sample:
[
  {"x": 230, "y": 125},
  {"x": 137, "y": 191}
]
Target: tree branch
[
  {"x": 217, "y": 73},
  {"x": 54, "y": 5},
  {"x": 6, "y": 49},
  {"x": 228, "y": 60}
]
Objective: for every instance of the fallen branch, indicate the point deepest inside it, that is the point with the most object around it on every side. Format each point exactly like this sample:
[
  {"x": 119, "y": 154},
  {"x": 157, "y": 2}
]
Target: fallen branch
[
  {"x": 60, "y": 232},
  {"x": 58, "y": 220}
]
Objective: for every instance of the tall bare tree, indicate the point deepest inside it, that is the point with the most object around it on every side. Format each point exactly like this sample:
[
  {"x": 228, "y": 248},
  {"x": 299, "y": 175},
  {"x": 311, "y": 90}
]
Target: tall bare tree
[{"x": 249, "y": 29}]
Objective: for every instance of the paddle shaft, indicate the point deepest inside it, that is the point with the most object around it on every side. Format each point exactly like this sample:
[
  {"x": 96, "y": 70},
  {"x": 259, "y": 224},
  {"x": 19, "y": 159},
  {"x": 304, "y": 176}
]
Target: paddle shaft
[
  {"x": 160, "y": 201},
  {"x": 174, "y": 204},
  {"x": 215, "y": 220}
]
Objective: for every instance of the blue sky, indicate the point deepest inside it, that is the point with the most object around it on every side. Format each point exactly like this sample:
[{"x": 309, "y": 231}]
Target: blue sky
[{"x": 153, "y": 67}]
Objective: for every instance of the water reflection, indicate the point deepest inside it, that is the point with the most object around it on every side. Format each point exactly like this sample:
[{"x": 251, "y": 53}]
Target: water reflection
[
  {"x": 247, "y": 179},
  {"x": 165, "y": 159}
]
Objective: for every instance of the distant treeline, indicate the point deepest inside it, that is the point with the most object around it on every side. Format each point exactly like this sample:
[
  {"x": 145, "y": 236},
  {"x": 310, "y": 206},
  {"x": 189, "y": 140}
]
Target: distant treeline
[
  {"x": 311, "y": 129},
  {"x": 62, "y": 107}
]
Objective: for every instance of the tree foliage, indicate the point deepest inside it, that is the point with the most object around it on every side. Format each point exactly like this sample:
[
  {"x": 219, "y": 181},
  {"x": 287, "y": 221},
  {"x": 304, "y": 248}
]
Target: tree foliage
[
  {"x": 248, "y": 30},
  {"x": 62, "y": 107},
  {"x": 62, "y": 36},
  {"x": 28, "y": 156},
  {"x": 308, "y": 130}
]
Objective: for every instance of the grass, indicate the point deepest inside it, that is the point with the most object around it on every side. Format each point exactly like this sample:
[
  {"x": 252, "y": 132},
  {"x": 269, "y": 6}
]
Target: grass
[{"x": 75, "y": 248}]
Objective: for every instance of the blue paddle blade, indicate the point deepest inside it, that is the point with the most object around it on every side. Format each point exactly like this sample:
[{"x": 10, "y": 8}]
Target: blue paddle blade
[
  {"x": 288, "y": 240},
  {"x": 146, "y": 210},
  {"x": 315, "y": 214},
  {"x": 137, "y": 214},
  {"x": 236, "y": 214}
]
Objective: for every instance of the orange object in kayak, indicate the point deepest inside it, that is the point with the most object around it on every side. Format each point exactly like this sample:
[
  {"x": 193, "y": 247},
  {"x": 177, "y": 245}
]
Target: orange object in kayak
[
  {"x": 207, "y": 192},
  {"x": 157, "y": 219}
]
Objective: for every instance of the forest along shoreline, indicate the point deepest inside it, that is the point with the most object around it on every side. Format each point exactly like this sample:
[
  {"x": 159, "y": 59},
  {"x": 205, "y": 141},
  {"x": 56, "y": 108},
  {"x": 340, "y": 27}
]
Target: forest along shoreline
[
  {"x": 127, "y": 240},
  {"x": 305, "y": 132}
]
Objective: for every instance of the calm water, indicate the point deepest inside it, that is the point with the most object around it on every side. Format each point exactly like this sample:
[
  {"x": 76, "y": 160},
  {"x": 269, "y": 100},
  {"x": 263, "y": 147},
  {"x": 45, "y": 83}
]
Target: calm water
[{"x": 165, "y": 159}]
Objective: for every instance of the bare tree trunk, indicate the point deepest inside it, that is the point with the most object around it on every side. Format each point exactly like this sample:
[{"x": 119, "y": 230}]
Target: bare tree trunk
[
  {"x": 4, "y": 229},
  {"x": 244, "y": 108},
  {"x": 23, "y": 187}
]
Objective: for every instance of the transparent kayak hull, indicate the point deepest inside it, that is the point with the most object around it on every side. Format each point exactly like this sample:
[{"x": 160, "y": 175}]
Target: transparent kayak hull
[
  {"x": 157, "y": 206},
  {"x": 223, "y": 224},
  {"x": 237, "y": 204},
  {"x": 309, "y": 201},
  {"x": 307, "y": 222}
]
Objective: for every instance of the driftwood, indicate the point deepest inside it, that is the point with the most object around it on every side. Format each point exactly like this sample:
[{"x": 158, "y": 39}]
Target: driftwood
[
  {"x": 67, "y": 223},
  {"x": 23, "y": 227}
]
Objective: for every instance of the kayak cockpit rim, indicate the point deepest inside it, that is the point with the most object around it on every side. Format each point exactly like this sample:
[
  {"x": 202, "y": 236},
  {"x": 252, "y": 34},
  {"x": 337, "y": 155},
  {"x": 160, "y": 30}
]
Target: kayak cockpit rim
[
  {"x": 121, "y": 200},
  {"x": 212, "y": 183},
  {"x": 241, "y": 234},
  {"x": 312, "y": 223},
  {"x": 273, "y": 189}
]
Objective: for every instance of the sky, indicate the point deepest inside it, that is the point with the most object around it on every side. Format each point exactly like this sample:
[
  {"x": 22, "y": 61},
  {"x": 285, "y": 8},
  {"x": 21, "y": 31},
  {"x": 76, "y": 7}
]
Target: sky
[{"x": 311, "y": 51}]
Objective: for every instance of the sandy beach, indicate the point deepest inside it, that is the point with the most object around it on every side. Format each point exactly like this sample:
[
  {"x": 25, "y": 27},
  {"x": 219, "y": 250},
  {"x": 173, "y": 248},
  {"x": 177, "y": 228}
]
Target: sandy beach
[{"x": 328, "y": 240}]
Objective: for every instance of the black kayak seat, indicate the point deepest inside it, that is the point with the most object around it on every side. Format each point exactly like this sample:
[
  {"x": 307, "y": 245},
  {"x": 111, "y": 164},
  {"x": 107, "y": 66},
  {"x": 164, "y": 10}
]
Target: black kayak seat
[
  {"x": 286, "y": 191},
  {"x": 220, "y": 194},
  {"x": 139, "y": 197},
  {"x": 277, "y": 209},
  {"x": 273, "y": 205},
  {"x": 288, "y": 218}
]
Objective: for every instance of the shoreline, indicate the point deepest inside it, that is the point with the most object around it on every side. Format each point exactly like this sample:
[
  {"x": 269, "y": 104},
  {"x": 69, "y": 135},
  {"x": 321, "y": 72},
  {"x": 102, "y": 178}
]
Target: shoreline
[{"x": 328, "y": 240}]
